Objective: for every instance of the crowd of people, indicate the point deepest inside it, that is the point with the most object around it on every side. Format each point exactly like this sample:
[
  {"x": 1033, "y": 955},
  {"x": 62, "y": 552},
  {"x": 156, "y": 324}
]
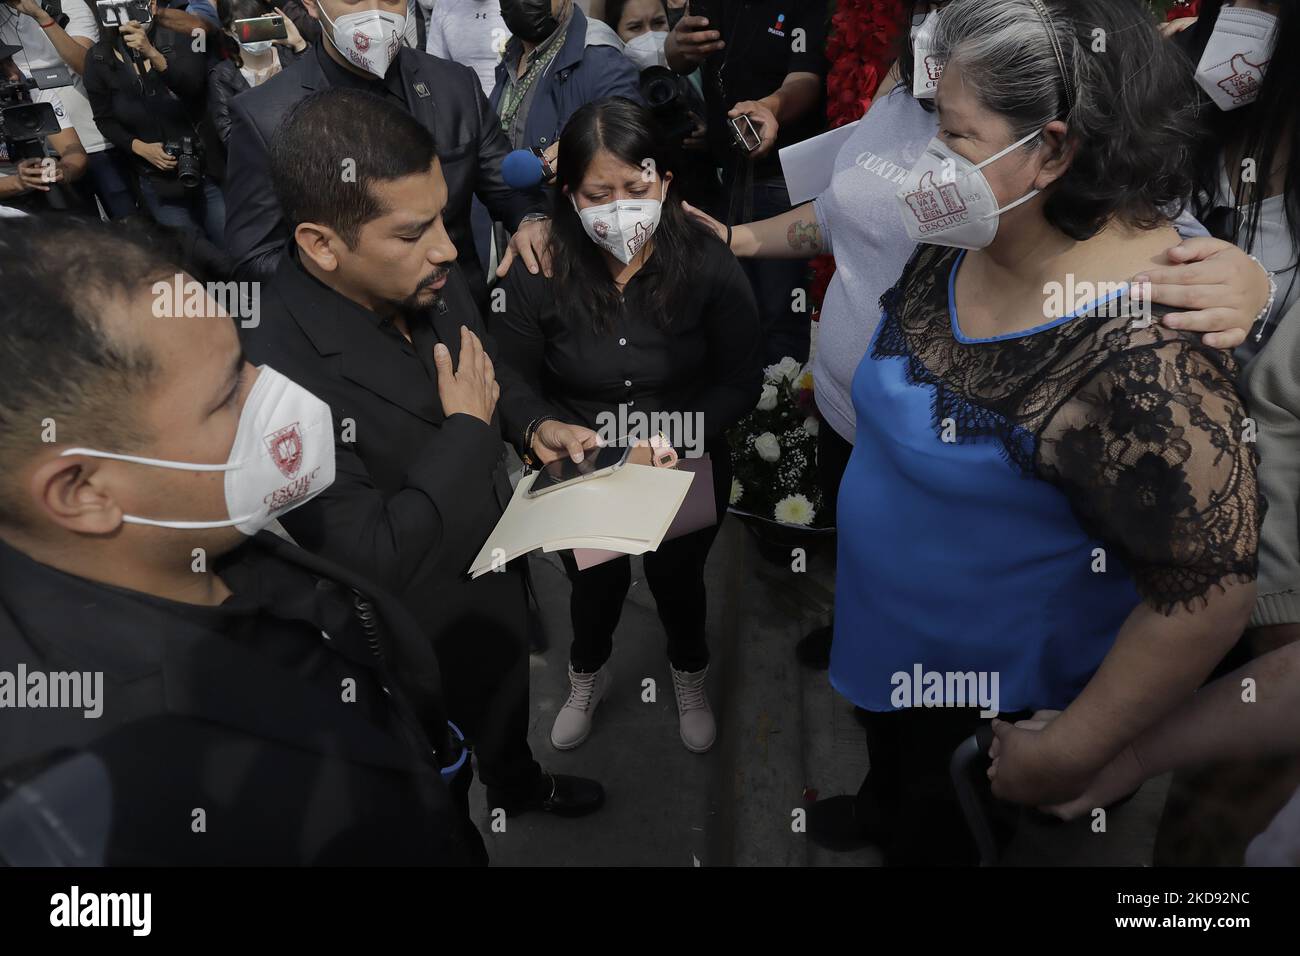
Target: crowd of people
[{"x": 285, "y": 289}]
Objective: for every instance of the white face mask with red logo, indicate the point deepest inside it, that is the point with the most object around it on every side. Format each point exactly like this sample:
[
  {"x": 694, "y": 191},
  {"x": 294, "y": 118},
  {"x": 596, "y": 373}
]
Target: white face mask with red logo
[
  {"x": 926, "y": 67},
  {"x": 282, "y": 456},
  {"x": 946, "y": 201},
  {"x": 1232, "y": 67},
  {"x": 368, "y": 39},
  {"x": 623, "y": 227}
]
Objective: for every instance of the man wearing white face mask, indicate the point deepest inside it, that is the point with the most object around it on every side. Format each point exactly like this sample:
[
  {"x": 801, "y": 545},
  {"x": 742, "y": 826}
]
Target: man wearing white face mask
[
  {"x": 361, "y": 48},
  {"x": 130, "y": 549}
]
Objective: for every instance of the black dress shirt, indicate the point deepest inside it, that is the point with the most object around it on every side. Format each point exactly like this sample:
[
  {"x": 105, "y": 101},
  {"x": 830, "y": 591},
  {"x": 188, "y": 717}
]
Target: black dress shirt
[{"x": 706, "y": 361}]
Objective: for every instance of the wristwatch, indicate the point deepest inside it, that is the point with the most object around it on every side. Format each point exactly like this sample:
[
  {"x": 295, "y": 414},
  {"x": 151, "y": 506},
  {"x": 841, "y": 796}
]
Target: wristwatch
[{"x": 534, "y": 217}]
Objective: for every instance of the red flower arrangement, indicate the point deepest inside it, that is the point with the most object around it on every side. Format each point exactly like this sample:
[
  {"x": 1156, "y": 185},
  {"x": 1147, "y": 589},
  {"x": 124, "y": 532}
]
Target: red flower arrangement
[{"x": 860, "y": 50}]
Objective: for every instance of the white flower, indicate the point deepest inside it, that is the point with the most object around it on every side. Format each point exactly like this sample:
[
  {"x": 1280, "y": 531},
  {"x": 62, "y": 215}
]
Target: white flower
[
  {"x": 787, "y": 368},
  {"x": 810, "y": 425},
  {"x": 794, "y": 509},
  {"x": 768, "y": 448},
  {"x": 767, "y": 401},
  {"x": 737, "y": 491}
]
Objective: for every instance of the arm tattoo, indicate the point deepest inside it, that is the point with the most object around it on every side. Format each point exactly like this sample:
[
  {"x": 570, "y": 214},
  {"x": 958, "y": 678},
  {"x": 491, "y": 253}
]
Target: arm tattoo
[{"x": 804, "y": 233}]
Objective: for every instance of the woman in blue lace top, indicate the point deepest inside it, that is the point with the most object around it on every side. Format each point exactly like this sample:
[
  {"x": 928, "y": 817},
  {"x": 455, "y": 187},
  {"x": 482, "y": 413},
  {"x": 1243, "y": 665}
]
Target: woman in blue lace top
[{"x": 1050, "y": 504}]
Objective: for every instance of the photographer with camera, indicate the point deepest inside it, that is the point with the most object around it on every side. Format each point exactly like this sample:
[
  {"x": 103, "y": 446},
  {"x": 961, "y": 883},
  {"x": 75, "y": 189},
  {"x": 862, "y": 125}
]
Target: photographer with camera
[
  {"x": 52, "y": 37},
  {"x": 147, "y": 84},
  {"x": 29, "y": 176},
  {"x": 676, "y": 101},
  {"x": 764, "y": 70}
]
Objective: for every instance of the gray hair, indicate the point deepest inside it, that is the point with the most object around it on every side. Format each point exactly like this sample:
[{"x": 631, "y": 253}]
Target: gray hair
[
  {"x": 1101, "y": 66},
  {"x": 1007, "y": 56}
]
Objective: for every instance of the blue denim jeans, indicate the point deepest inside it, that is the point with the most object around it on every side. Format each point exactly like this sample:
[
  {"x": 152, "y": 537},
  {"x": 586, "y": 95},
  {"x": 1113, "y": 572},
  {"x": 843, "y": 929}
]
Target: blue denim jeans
[
  {"x": 202, "y": 209},
  {"x": 108, "y": 179}
]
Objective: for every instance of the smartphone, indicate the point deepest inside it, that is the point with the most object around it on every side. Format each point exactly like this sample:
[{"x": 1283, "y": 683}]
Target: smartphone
[
  {"x": 113, "y": 13},
  {"x": 745, "y": 133},
  {"x": 565, "y": 471},
  {"x": 704, "y": 8},
  {"x": 257, "y": 29}
]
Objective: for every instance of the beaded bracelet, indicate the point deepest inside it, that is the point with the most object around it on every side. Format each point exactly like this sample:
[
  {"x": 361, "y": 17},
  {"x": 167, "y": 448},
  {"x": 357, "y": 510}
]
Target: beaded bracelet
[
  {"x": 529, "y": 433},
  {"x": 1268, "y": 306}
]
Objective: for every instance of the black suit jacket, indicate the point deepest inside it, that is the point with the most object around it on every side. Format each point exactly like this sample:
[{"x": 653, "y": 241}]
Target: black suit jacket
[
  {"x": 416, "y": 492},
  {"x": 466, "y": 129},
  {"x": 284, "y": 773}
]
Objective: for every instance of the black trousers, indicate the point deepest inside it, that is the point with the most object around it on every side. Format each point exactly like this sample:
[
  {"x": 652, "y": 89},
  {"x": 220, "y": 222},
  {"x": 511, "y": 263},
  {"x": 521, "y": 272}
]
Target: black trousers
[
  {"x": 484, "y": 663},
  {"x": 909, "y": 789},
  {"x": 832, "y": 458},
  {"x": 675, "y": 574}
]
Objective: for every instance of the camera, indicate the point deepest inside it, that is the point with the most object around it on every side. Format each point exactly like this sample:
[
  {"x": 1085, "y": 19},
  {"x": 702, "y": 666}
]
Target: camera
[
  {"x": 24, "y": 124},
  {"x": 114, "y": 13},
  {"x": 189, "y": 160},
  {"x": 669, "y": 98},
  {"x": 55, "y": 9},
  {"x": 23, "y": 128}
]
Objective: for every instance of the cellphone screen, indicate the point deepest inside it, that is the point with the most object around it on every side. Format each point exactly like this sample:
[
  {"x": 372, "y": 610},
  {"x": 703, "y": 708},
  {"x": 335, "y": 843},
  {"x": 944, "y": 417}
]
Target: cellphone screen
[
  {"x": 257, "y": 29},
  {"x": 566, "y": 470},
  {"x": 746, "y": 132}
]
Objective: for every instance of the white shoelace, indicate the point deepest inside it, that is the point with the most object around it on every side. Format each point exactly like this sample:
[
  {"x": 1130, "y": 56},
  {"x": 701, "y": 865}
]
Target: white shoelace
[
  {"x": 581, "y": 687},
  {"x": 690, "y": 696}
]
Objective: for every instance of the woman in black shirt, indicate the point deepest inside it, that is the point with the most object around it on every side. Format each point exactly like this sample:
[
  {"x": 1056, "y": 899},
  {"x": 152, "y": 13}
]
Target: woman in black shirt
[
  {"x": 146, "y": 86},
  {"x": 647, "y": 313}
]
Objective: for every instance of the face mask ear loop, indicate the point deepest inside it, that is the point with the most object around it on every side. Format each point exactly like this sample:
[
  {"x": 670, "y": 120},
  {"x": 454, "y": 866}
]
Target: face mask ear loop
[
  {"x": 186, "y": 525},
  {"x": 156, "y": 462},
  {"x": 993, "y": 159},
  {"x": 330, "y": 32},
  {"x": 1009, "y": 206},
  {"x": 998, "y": 155}
]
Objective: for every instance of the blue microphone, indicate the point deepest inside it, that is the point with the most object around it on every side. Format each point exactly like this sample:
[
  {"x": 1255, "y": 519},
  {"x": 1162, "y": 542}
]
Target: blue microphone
[{"x": 522, "y": 169}]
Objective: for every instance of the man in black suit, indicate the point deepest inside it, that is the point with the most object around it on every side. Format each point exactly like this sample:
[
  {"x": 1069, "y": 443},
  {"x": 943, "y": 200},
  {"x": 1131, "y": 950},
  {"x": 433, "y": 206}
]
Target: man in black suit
[
  {"x": 223, "y": 696},
  {"x": 369, "y": 309},
  {"x": 445, "y": 97}
]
